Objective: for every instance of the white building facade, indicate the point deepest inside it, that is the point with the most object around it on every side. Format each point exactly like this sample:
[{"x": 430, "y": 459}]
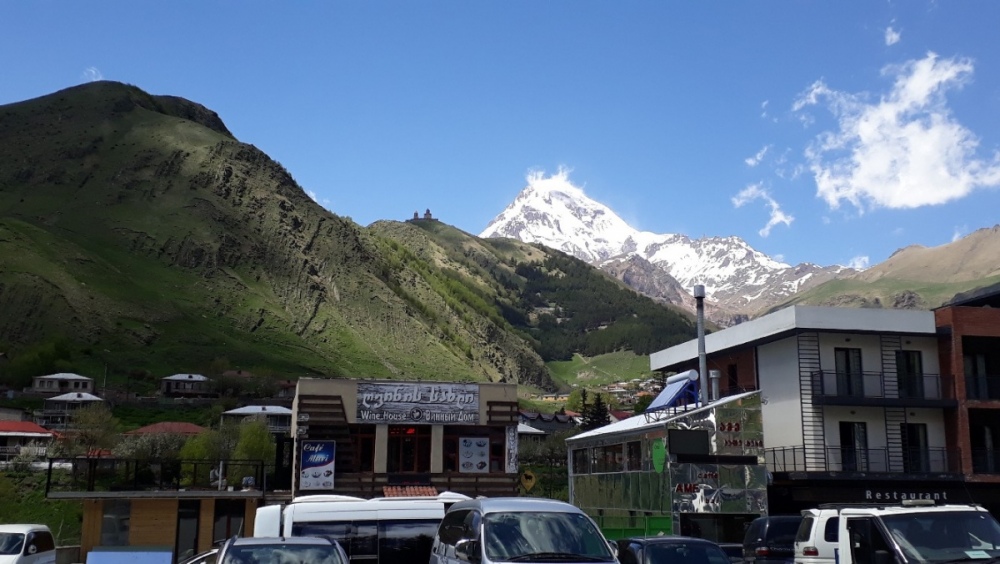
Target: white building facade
[{"x": 848, "y": 394}]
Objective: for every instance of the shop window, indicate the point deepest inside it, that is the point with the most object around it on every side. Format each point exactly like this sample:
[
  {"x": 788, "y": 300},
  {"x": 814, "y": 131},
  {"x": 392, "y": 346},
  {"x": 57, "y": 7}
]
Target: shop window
[
  {"x": 115, "y": 522},
  {"x": 450, "y": 452},
  {"x": 634, "y": 456},
  {"x": 581, "y": 461},
  {"x": 229, "y": 515},
  {"x": 363, "y": 437},
  {"x": 494, "y": 455},
  {"x": 610, "y": 458},
  {"x": 188, "y": 511},
  {"x": 409, "y": 449},
  {"x": 498, "y": 461}
]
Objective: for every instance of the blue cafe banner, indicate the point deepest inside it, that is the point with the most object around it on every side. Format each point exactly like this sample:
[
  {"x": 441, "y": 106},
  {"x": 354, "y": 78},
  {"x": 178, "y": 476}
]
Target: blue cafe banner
[
  {"x": 318, "y": 458},
  {"x": 412, "y": 403}
]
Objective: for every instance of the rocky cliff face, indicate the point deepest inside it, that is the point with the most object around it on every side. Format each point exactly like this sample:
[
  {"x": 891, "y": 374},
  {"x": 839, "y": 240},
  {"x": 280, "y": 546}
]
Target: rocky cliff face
[{"x": 137, "y": 219}]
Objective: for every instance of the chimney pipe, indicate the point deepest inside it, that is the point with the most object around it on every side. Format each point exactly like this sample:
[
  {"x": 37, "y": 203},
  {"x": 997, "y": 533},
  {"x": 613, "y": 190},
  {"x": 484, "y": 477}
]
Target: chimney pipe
[
  {"x": 714, "y": 376},
  {"x": 699, "y": 297}
]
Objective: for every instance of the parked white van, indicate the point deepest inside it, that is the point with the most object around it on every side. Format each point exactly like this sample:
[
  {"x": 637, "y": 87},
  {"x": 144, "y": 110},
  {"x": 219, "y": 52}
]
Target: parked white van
[
  {"x": 519, "y": 529},
  {"x": 26, "y": 544},
  {"x": 390, "y": 530}
]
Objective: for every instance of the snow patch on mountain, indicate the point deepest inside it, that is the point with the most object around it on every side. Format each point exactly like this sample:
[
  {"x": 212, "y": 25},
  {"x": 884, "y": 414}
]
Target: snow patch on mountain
[{"x": 553, "y": 212}]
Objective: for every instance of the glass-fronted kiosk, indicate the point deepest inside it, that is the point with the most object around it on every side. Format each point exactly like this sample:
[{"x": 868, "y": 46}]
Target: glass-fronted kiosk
[{"x": 683, "y": 470}]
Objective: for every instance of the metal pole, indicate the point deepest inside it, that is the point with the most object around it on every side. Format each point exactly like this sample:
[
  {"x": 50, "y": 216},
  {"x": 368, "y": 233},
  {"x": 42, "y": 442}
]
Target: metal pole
[
  {"x": 714, "y": 376},
  {"x": 699, "y": 296}
]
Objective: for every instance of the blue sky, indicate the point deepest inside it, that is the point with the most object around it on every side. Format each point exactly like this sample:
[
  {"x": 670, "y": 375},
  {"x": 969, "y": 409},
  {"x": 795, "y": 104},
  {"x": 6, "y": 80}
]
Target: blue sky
[{"x": 826, "y": 132}]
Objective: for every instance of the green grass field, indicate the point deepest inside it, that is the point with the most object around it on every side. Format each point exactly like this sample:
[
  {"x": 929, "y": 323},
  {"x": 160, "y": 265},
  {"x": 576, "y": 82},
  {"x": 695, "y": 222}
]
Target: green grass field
[
  {"x": 608, "y": 368},
  {"x": 24, "y": 501}
]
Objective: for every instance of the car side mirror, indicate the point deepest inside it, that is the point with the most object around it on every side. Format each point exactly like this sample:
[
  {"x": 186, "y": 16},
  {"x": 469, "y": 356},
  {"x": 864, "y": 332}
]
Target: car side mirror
[
  {"x": 614, "y": 548},
  {"x": 467, "y": 550}
]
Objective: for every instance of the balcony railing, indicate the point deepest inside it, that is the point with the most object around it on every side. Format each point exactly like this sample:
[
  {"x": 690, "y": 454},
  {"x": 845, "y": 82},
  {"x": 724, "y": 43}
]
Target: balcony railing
[
  {"x": 982, "y": 387},
  {"x": 131, "y": 475},
  {"x": 9, "y": 452},
  {"x": 879, "y": 385},
  {"x": 869, "y": 460}
]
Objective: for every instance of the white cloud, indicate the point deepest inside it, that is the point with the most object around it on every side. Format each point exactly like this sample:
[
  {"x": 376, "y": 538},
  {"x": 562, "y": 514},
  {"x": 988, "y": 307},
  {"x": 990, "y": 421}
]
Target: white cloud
[
  {"x": 904, "y": 151},
  {"x": 763, "y": 108},
  {"x": 755, "y": 160},
  {"x": 960, "y": 231},
  {"x": 811, "y": 95},
  {"x": 756, "y": 192},
  {"x": 859, "y": 262},
  {"x": 92, "y": 74},
  {"x": 892, "y": 36},
  {"x": 898, "y": 231},
  {"x": 313, "y": 195},
  {"x": 778, "y": 257}
]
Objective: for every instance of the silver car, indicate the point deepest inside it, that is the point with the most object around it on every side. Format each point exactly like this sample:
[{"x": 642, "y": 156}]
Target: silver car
[{"x": 495, "y": 530}]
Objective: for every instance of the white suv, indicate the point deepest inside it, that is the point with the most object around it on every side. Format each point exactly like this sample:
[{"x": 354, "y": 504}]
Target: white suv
[{"x": 816, "y": 540}]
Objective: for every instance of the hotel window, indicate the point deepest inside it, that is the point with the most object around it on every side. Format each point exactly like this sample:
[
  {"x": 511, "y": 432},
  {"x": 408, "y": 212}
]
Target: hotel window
[{"x": 409, "y": 449}]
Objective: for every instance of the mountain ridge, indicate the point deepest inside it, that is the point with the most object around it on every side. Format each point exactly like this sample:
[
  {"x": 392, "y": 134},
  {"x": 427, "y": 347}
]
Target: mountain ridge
[
  {"x": 738, "y": 279},
  {"x": 138, "y": 229}
]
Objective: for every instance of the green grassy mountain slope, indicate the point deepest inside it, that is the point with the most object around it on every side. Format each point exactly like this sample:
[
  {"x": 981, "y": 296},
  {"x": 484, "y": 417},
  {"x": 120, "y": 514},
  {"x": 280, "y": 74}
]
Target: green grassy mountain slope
[
  {"x": 916, "y": 277},
  {"x": 136, "y": 228}
]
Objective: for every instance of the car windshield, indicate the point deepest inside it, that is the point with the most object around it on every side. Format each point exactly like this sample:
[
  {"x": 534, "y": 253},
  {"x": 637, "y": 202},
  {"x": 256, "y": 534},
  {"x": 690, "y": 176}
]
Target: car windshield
[
  {"x": 11, "y": 543},
  {"x": 685, "y": 553},
  {"x": 283, "y": 554},
  {"x": 942, "y": 536},
  {"x": 544, "y": 537}
]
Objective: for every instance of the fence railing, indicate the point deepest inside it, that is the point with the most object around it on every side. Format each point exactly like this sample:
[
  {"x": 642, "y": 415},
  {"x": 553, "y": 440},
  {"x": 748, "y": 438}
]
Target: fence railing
[
  {"x": 119, "y": 474},
  {"x": 830, "y": 383},
  {"x": 867, "y": 460}
]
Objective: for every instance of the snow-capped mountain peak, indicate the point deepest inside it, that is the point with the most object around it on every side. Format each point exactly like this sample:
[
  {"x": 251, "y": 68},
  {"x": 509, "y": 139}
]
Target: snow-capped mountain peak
[
  {"x": 551, "y": 211},
  {"x": 555, "y": 213}
]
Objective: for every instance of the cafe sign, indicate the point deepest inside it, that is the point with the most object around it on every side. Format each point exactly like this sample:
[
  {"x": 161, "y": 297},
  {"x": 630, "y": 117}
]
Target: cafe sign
[{"x": 416, "y": 403}]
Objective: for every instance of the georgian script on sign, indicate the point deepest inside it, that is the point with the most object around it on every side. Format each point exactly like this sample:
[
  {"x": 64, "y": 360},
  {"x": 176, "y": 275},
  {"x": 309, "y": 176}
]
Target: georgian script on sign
[{"x": 418, "y": 403}]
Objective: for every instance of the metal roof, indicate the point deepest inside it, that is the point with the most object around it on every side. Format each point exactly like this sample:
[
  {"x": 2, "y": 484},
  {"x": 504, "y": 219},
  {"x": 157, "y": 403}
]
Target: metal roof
[
  {"x": 63, "y": 376},
  {"x": 75, "y": 396},
  {"x": 259, "y": 410},
  {"x": 187, "y": 377},
  {"x": 523, "y": 429},
  {"x": 640, "y": 422}
]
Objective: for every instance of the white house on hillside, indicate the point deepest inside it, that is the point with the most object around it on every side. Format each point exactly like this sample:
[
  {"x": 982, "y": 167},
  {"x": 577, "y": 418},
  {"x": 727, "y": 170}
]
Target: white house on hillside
[{"x": 65, "y": 382}]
